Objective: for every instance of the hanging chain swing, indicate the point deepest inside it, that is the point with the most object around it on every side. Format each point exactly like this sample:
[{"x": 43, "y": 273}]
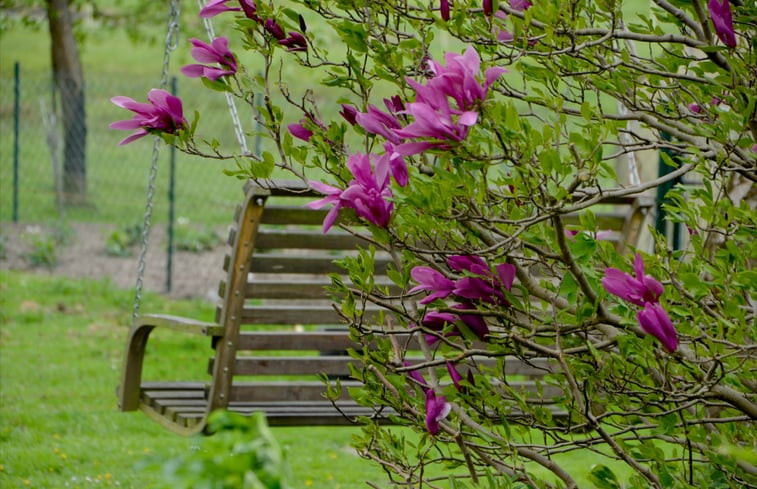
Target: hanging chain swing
[{"x": 172, "y": 39}]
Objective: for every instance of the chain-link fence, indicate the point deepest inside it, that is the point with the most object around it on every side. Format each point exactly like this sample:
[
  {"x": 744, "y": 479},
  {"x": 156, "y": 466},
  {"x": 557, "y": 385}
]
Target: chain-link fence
[
  {"x": 33, "y": 166},
  {"x": 75, "y": 178}
]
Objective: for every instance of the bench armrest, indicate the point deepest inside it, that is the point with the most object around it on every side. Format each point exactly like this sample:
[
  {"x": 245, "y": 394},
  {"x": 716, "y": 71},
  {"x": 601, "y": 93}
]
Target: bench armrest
[{"x": 131, "y": 375}]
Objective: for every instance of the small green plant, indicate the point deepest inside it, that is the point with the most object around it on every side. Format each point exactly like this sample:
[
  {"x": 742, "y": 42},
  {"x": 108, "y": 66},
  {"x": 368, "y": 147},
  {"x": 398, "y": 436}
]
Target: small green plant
[
  {"x": 189, "y": 238},
  {"x": 242, "y": 453},
  {"x": 121, "y": 241},
  {"x": 43, "y": 251}
]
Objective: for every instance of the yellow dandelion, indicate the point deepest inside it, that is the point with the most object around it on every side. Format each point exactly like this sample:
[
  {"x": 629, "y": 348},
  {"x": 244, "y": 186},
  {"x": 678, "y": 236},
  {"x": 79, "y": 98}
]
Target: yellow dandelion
[
  {"x": 332, "y": 455},
  {"x": 2, "y": 467},
  {"x": 308, "y": 482},
  {"x": 147, "y": 450},
  {"x": 107, "y": 475},
  {"x": 56, "y": 450},
  {"x": 27, "y": 482},
  {"x": 63, "y": 456}
]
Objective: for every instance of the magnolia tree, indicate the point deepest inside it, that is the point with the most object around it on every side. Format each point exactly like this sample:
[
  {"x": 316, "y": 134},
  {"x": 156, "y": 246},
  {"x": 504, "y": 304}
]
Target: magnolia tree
[{"x": 467, "y": 132}]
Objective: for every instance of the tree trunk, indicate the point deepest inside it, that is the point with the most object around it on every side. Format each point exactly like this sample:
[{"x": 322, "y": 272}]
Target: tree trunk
[{"x": 69, "y": 82}]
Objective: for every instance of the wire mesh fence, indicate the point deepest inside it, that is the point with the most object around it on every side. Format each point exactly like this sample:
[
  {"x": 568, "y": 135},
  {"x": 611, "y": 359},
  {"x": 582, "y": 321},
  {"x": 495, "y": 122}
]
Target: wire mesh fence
[{"x": 34, "y": 167}]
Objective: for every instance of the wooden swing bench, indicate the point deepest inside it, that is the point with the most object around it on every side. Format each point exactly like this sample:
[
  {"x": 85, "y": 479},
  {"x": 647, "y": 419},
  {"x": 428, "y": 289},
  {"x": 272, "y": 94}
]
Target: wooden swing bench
[{"x": 276, "y": 273}]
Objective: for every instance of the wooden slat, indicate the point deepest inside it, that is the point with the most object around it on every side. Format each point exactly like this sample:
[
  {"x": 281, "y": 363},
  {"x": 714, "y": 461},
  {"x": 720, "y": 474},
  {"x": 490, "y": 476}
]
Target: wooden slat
[
  {"x": 280, "y": 365},
  {"x": 293, "y": 214},
  {"x": 288, "y": 340},
  {"x": 310, "y": 263},
  {"x": 307, "y": 239},
  {"x": 297, "y": 314},
  {"x": 294, "y": 390}
]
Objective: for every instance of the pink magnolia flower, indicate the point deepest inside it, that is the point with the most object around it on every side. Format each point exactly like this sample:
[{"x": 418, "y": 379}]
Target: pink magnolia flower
[
  {"x": 215, "y": 52},
  {"x": 720, "y": 12},
  {"x": 639, "y": 290},
  {"x": 655, "y": 321},
  {"x": 368, "y": 193},
  {"x": 163, "y": 113},
  {"x": 432, "y": 281},
  {"x": 437, "y": 408},
  {"x": 694, "y": 107},
  {"x": 754, "y": 148}
]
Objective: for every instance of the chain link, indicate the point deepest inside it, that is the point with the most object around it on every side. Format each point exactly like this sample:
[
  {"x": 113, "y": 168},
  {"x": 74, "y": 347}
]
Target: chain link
[{"x": 172, "y": 41}]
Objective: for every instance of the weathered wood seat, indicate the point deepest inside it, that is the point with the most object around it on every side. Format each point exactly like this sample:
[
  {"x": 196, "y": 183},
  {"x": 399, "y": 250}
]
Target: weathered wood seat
[{"x": 276, "y": 273}]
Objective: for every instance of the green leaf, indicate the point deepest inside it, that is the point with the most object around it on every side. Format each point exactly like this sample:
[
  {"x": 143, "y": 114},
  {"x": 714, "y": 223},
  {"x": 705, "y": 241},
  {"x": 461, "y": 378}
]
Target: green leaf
[{"x": 603, "y": 478}]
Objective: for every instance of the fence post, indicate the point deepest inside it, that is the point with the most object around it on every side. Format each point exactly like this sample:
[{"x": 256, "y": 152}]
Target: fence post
[
  {"x": 171, "y": 210},
  {"x": 16, "y": 117}
]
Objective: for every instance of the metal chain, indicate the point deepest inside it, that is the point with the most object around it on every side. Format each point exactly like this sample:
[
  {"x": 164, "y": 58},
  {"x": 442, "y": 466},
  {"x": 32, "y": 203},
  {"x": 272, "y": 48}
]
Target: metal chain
[
  {"x": 172, "y": 41},
  {"x": 238, "y": 130}
]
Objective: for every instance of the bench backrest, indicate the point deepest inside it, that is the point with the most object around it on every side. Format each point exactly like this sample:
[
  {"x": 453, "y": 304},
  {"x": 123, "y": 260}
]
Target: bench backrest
[{"x": 276, "y": 274}]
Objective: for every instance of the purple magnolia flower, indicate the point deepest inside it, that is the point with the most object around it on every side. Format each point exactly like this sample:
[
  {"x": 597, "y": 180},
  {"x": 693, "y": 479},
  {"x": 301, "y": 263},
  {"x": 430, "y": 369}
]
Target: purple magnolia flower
[
  {"x": 215, "y": 7},
  {"x": 163, "y": 113},
  {"x": 274, "y": 29},
  {"x": 444, "y": 9},
  {"x": 333, "y": 197},
  {"x": 430, "y": 280},
  {"x": 655, "y": 321},
  {"x": 397, "y": 165},
  {"x": 640, "y": 290},
  {"x": 485, "y": 285},
  {"x": 723, "y": 22},
  {"x": 487, "y": 5},
  {"x": 415, "y": 375},
  {"x": 368, "y": 193},
  {"x": 754, "y": 148},
  {"x": 215, "y": 52},
  {"x": 300, "y": 131},
  {"x": 376, "y": 121},
  {"x": 349, "y": 112},
  {"x": 295, "y": 42},
  {"x": 520, "y": 5},
  {"x": 694, "y": 107},
  {"x": 437, "y": 408},
  {"x": 459, "y": 78},
  {"x": 475, "y": 322},
  {"x": 457, "y": 378},
  {"x": 438, "y": 321}
]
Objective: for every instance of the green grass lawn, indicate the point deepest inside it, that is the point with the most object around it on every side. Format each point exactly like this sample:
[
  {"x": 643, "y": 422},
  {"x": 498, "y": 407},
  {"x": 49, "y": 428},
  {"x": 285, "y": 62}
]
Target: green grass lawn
[{"x": 61, "y": 345}]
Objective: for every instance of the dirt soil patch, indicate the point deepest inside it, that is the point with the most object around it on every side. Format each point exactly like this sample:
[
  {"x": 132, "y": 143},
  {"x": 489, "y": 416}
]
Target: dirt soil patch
[{"x": 195, "y": 275}]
